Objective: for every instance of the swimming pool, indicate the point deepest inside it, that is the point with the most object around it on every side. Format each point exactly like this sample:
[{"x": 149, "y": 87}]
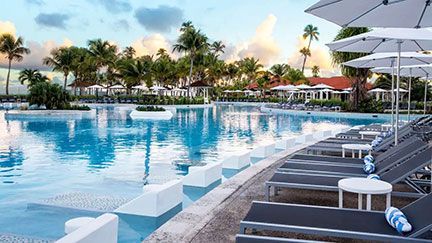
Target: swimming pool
[{"x": 114, "y": 155}]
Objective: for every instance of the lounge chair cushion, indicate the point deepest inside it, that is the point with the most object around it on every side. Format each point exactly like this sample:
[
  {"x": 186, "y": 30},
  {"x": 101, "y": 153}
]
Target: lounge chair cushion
[
  {"x": 369, "y": 168},
  {"x": 368, "y": 159},
  {"x": 374, "y": 177},
  {"x": 376, "y": 142},
  {"x": 397, "y": 220}
]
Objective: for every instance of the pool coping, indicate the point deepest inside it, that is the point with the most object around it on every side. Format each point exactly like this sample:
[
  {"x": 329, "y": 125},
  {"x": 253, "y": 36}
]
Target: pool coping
[{"x": 184, "y": 226}]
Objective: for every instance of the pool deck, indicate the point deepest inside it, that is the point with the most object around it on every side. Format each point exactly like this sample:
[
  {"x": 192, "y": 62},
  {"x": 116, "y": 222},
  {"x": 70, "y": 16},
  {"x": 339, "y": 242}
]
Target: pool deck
[{"x": 190, "y": 224}]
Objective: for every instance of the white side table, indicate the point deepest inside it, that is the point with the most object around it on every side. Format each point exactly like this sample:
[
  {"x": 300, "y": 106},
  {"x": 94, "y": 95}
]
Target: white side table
[
  {"x": 369, "y": 133},
  {"x": 354, "y": 147},
  {"x": 365, "y": 186}
]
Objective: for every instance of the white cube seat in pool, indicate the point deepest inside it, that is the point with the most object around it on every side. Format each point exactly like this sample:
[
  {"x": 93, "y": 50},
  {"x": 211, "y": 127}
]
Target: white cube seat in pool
[
  {"x": 203, "y": 176},
  {"x": 101, "y": 229},
  {"x": 75, "y": 223},
  {"x": 155, "y": 200},
  {"x": 285, "y": 144},
  {"x": 263, "y": 151},
  {"x": 236, "y": 161}
]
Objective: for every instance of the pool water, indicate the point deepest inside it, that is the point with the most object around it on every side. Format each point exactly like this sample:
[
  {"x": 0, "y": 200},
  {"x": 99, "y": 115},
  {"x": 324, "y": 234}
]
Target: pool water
[{"x": 114, "y": 155}]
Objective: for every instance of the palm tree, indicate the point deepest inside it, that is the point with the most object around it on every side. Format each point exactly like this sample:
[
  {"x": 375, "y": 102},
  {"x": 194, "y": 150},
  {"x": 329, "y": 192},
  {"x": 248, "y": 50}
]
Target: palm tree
[
  {"x": 312, "y": 33},
  {"x": 250, "y": 66},
  {"x": 14, "y": 51},
  {"x": 315, "y": 71},
  {"x": 186, "y": 25},
  {"x": 103, "y": 54},
  {"x": 32, "y": 76},
  {"x": 279, "y": 70},
  {"x": 191, "y": 42},
  {"x": 306, "y": 53},
  {"x": 232, "y": 71},
  {"x": 294, "y": 75},
  {"x": 217, "y": 47},
  {"x": 358, "y": 75},
  {"x": 61, "y": 60},
  {"x": 129, "y": 52},
  {"x": 135, "y": 71}
]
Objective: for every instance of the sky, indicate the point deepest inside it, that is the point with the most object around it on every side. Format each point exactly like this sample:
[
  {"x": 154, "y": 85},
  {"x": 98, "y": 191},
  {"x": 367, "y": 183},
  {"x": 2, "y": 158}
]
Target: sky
[{"x": 266, "y": 29}]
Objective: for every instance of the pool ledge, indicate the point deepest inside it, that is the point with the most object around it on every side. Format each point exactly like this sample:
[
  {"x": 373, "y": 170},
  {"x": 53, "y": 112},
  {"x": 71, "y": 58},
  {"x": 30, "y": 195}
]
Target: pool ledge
[{"x": 187, "y": 224}]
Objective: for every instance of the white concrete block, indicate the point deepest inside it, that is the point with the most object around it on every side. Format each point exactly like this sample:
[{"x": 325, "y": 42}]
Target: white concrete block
[
  {"x": 102, "y": 229},
  {"x": 322, "y": 134},
  {"x": 76, "y": 223},
  {"x": 155, "y": 200},
  {"x": 203, "y": 176},
  {"x": 285, "y": 143},
  {"x": 151, "y": 115},
  {"x": 305, "y": 138},
  {"x": 237, "y": 161},
  {"x": 264, "y": 151}
]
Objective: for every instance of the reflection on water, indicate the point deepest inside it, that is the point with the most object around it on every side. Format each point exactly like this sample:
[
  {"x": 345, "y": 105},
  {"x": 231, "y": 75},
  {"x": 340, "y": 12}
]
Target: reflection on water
[{"x": 114, "y": 155}]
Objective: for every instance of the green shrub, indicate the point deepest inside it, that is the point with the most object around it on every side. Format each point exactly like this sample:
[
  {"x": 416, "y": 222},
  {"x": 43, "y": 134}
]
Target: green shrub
[
  {"x": 77, "y": 107},
  {"x": 150, "y": 108},
  {"x": 50, "y": 95},
  {"x": 371, "y": 106}
]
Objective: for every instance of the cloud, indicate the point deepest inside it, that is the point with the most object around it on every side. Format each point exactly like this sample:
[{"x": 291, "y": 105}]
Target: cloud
[
  {"x": 38, "y": 52},
  {"x": 121, "y": 25},
  {"x": 7, "y": 27},
  {"x": 320, "y": 57},
  {"x": 163, "y": 18},
  {"x": 115, "y": 6},
  {"x": 36, "y": 2},
  {"x": 262, "y": 45},
  {"x": 149, "y": 45},
  {"x": 53, "y": 20}
]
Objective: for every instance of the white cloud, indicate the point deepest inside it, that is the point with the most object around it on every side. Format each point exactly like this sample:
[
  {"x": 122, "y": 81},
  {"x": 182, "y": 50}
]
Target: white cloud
[
  {"x": 7, "y": 27},
  {"x": 320, "y": 57},
  {"x": 149, "y": 45},
  {"x": 262, "y": 45}
]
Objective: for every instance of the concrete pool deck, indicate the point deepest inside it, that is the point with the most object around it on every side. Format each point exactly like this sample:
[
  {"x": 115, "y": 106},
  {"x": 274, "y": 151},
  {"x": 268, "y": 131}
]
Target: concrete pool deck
[{"x": 189, "y": 224}]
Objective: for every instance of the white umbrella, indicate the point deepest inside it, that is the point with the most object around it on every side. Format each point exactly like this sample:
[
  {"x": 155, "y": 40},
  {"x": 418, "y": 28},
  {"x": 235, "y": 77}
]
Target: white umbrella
[
  {"x": 420, "y": 71},
  {"x": 387, "y": 40},
  {"x": 228, "y": 91},
  {"x": 322, "y": 86},
  {"x": 377, "y": 90},
  {"x": 303, "y": 86},
  {"x": 388, "y": 60},
  {"x": 140, "y": 87},
  {"x": 157, "y": 88},
  {"x": 289, "y": 88},
  {"x": 278, "y": 88},
  {"x": 375, "y": 13},
  {"x": 238, "y": 91},
  {"x": 96, "y": 86},
  {"x": 117, "y": 86}
]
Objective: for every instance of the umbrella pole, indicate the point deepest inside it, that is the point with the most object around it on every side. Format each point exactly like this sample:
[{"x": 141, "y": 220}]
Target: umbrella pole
[
  {"x": 392, "y": 96},
  {"x": 409, "y": 95},
  {"x": 397, "y": 92},
  {"x": 425, "y": 96}
]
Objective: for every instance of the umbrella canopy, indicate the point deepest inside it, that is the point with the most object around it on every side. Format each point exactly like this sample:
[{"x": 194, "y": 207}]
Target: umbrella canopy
[
  {"x": 238, "y": 91},
  {"x": 377, "y": 90},
  {"x": 277, "y": 88},
  {"x": 303, "y": 86},
  {"x": 322, "y": 86},
  {"x": 386, "y": 40},
  {"x": 157, "y": 88},
  {"x": 228, "y": 91},
  {"x": 140, "y": 87},
  {"x": 179, "y": 90},
  {"x": 375, "y": 13},
  {"x": 407, "y": 71},
  {"x": 326, "y": 90},
  {"x": 96, "y": 86},
  {"x": 117, "y": 86},
  {"x": 389, "y": 60}
]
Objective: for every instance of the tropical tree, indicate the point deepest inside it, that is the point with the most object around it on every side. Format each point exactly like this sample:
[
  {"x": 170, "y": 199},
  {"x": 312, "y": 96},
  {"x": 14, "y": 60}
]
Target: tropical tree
[
  {"x": 315, "y": 71},
  {"x": 129, "y": 52},
  {"x": 14, "y": 50},
  {"x": 279, "y": 70},
  {"x": 294, "y": 75},
  {"x": 217, "y": 47},
  {"x": 383, "y": 81},
  {"x": 134, "y": 71},
  {"x": 306, "y": 53},
  {"x": 250, "y": 67},
  {"x": 357, "y": 75},
  {"x": 232, "y": 72},
  {"x": 312, "y": 33},
  {"x": 32, "y": 77},
  {"x": 191, "y": 41},
  {"x": 103, "y": 55},
  {"x": 61, "y": 60}
]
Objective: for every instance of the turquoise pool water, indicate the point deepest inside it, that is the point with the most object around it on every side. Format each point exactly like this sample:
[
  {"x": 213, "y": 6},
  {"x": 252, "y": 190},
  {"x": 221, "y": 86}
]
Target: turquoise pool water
[{"x": 113, "y": 155}]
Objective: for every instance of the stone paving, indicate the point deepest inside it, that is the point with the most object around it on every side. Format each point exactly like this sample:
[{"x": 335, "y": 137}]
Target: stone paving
[{"x": 10, "y": 238}]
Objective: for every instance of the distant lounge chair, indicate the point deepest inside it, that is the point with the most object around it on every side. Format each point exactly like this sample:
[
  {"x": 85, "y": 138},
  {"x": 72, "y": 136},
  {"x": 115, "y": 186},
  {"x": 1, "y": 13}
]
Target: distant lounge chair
[
  {"x": 335, "y": 222},
  {"x": 330, "y": 182}
]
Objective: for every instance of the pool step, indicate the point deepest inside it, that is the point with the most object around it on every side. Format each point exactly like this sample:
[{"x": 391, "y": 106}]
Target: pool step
[
  {"x": 83, "y": 201},
  {"x": 11, "y": 238}
]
